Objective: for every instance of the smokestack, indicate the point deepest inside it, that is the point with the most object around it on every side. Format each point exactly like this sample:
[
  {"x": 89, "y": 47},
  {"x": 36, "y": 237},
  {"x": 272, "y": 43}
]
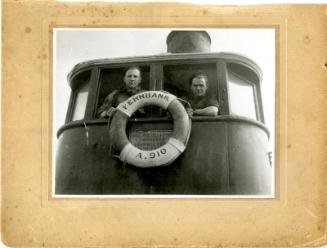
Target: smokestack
[{"x": 188, "y": 42}]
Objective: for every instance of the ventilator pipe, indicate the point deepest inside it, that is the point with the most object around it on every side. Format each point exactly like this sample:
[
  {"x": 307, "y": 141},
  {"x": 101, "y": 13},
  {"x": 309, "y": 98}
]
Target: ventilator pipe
[{"x": 182, "y": 41}]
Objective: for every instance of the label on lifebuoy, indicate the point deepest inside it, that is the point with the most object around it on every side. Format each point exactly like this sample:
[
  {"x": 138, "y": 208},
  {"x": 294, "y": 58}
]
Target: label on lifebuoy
[
  {"x": 139, "y": 100},
  {"x": 163, "y": 155}
]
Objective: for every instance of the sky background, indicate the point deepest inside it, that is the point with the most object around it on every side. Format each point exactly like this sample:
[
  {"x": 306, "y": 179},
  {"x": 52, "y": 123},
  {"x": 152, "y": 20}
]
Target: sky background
[{"x": 72, "y": 46}]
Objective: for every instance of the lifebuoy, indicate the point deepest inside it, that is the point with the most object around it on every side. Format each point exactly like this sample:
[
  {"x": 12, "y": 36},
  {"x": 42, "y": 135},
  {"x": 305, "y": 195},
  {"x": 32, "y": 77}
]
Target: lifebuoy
[{"x": 163, "y": 155}]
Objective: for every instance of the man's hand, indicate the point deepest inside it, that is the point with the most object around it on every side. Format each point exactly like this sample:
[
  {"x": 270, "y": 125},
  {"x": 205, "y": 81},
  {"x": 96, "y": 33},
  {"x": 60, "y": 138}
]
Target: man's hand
[
  {"x": 108, "y": 113},
  {"x": 111, "y": 111},
  {"x": 142, "y": 111},
  {"x": 189, "y": 111}
]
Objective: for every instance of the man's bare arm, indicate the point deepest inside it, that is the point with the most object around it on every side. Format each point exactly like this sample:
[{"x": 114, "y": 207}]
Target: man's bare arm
[
  {"x": 208, "y": 111},
  {"x": 106, "y": 105}
]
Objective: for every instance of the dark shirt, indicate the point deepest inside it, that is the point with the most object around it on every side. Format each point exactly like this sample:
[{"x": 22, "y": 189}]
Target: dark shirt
[
  {"x": 202, "y": 102},
  {"x": 116, "y": 97},
  {"x": 123, "y": 94}
]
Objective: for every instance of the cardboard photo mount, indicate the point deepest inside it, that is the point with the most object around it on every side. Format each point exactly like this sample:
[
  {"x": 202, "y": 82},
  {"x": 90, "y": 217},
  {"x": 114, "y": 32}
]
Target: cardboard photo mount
[{"x": 32, "y": 217}]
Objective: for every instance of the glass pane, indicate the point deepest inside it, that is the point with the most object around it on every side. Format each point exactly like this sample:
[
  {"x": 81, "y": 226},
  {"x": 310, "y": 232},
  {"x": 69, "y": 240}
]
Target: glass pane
[
  {"x": 241, "y": 97},
  {"x": 80, "y": 103},
  {"x": 113, "y": 79},
  {"x": 177, "y": 77}
]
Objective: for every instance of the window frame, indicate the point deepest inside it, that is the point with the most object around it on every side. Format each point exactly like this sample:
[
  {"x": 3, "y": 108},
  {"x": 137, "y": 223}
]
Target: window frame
[
  {"x": 98, "y": 82},
  {"x": 156, "y": 82},
  {"x": 74, "y": 93},
  {"x": 194, "y": 61},
  {"x": 255, "y": 88}
]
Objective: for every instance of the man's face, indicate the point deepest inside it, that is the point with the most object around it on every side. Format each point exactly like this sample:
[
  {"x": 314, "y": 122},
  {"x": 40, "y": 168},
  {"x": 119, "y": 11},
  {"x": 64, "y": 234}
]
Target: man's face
[
  {"x": 132, "y": 78},
  {"x": 199, "y": 87}
]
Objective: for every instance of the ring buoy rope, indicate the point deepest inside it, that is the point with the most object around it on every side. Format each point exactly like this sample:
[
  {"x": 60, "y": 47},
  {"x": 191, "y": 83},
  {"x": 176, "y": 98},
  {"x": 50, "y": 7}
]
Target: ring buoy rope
[{"x": 163, "y": 155}]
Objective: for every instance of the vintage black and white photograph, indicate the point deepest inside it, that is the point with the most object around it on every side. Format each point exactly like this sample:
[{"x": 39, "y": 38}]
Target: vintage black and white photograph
[{"x": 162, "y": 112}]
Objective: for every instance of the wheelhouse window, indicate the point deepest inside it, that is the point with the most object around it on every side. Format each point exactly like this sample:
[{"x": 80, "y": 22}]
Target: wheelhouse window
[
  {"x": 177, "y": 78},
  {"x": 242, "y": 87},
  {"x": 112, "y": 79},
  {"x": 202, "y": 97},
  {"x": 80, "y": 85}
]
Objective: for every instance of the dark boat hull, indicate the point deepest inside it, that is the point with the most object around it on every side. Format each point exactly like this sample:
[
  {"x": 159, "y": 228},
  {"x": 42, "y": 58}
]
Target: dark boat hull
[{"x": 224, "y": 156}]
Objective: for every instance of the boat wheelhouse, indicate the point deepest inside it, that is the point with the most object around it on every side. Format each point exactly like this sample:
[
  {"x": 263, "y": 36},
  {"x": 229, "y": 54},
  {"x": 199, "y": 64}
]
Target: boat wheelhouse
[{"x": 225, "y": 155}]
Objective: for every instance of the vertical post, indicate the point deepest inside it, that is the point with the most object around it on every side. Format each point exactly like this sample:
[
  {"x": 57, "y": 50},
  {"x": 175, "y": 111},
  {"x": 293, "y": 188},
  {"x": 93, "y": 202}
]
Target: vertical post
[
  {"x": 70, "y": 107},
  {"x": 152, "y": 83},
  {"x": 93, "y": 95},
  {"x": 159, "y": 77},
  {"x": 259, "y": 102},
  {"x": 155, "y": 84},
  {"x": 222, "y": 87}
]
